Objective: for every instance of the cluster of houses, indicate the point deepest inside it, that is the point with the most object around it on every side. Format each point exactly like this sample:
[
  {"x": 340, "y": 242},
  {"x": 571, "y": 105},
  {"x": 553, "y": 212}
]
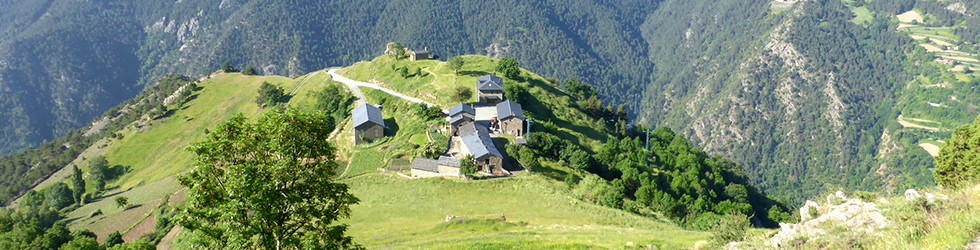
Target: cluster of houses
[{"x": 470, "y": 129}]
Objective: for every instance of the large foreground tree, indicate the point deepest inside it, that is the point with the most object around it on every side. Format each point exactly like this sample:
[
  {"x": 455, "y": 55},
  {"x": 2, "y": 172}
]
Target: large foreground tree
[
  {"x": 958, "y": 162},
  {"x": 266, "y": 185}
]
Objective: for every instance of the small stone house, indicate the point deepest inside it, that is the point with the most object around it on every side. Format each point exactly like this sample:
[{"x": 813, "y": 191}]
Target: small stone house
[
  {"x": 419, "y": 55},
  {"x": 510, "y": 118},
  {"x": 476, "y": 142},
  {"x": 445, "y": 166},
  {"x": 422, "y": 168},
  {"x": 368, "y": 124},
  {"x": 490, "y": 89},
  {"x": 458, "y": 116}
]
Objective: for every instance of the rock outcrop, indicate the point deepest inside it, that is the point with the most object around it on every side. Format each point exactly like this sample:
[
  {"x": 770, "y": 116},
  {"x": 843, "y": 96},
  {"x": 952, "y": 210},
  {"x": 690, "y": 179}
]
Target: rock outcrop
[{"x": 853, "y": 214}]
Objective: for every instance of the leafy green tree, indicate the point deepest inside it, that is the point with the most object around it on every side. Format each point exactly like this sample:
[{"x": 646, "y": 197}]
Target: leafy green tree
[
  {"x": 249, "y": 71},
  {"x": 227, "y": 68},
  {"x": 467, "y": 166},
  {"x": 730, "y": 228},
  {"x": 81, "y": 243},
  {"x": 58, "y": 196},
  {"x": 456, "y": 63},
  {"x": 270, "y": 95},
  {"x": 115, "y": 238},
  {"x": 77, "y": 184},
  {"x": 140, "y": 244},
  {"x": 122, "y": 202},
  {"x": 295, "y": 205},
  {"x": 98, "y": 169},
  {"x": 508, "y": 67},
  {"x": 516, "y": 92},
  {"x": 403, "y": 71},
  {"x": 958, "y": 162},
  {"x": 397, "y": 51},
  {"x": 462, "y": 94}
]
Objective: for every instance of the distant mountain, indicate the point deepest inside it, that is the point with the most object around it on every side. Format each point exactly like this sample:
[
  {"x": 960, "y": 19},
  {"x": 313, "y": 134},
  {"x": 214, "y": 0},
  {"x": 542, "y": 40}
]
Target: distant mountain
[{"x": 801, "y": 95}]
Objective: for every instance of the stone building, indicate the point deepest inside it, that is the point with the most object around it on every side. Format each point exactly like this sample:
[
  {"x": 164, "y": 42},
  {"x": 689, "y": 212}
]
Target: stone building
[
  {"x": 510, "y": 118},
  {"x": 458, "y": 116},
  {"x": 490, "y": 89},
  {"x": 368, "y": 124},
  {"x": 419, "y": 55},
  {"x": 445, "y": 166},
  {"x": 476, "y": 141}
]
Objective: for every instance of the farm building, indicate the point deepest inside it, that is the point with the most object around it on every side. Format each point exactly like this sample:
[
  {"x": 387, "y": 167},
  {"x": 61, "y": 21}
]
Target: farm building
[
  {"x": 445, "y": 166},
  {"x": 420, "y": 55},
  {"x": 462, "y": 109},
  {"x": 490, "y": 89},
  {"x": 459, "y": 115},
  {"x": 457, "y": 121},
  {"x": 368, "y": 123},
  {"x": 510, "y": 118},
  {"x": 476, "y": 141}
]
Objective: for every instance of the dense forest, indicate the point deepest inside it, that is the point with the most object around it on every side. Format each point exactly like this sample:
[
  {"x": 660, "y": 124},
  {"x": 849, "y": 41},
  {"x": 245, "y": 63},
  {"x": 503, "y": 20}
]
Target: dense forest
[{"x": 798, "y": 96}]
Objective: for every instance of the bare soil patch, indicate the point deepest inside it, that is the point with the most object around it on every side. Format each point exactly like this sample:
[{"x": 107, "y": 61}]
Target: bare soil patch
[
  {"x": 933, "y": 150},
  {"x": 940, "y": 42},
  {"x": 144, "y": 227},
  {"x": 908, "y": 124},
  {"x": 909, "y": 16},
  {"x": 962, "y": 59},
  {"x": 930, "y": 47},
  {"x": 916, "y": 37}
]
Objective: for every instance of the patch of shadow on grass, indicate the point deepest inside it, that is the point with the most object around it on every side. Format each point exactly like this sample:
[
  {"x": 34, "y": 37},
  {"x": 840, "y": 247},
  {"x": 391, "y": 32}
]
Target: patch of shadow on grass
[
  {"x": 392, "y": 127},
  {"x": 473, "y": 73}
]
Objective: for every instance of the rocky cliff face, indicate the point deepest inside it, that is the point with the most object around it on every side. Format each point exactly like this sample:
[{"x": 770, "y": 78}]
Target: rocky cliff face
[{"x": 793, "y": 104}]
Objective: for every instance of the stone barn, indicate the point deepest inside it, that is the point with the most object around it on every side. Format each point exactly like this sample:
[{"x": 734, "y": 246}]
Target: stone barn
[
  {"x": 445, "y": 166},
  {"x": 458, "y": 116},
  {"x": 368, "y": 124},
  {"x": 476, "y": 142},
  {"x": 510, "y": 118},
  {"x": 490, "y": 89},
  {"x": 419, "y": 55}
]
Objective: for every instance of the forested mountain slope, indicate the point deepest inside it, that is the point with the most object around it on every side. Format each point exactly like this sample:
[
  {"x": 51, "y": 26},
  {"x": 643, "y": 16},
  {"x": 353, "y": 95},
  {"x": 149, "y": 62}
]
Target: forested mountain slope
[{"x": 801, "y": 95}]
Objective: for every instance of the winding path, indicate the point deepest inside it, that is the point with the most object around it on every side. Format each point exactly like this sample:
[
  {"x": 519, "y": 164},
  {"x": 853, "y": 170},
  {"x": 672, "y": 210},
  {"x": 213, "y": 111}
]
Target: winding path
[{"x": 353, "y": 86}]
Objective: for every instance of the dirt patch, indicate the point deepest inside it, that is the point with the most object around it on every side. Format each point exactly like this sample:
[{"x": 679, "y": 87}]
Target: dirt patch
[
  {"x": 940, "y": 42},
  {"x": 909, "y": 16},
  {"x": 905, "y": 25},
  {"x": 120, "y": 221},
  {"x": 930, "y": 47},
  {"x": 962, "y": 59},
  {"x": 144, "y": 227},
  {"x": 165, "y": 241},
  {"x": 913, "y": 36},
  {"x": 932, "y": 149},
  {"x": 907, "y": 124},
  {"x": 958, "y": 68}
]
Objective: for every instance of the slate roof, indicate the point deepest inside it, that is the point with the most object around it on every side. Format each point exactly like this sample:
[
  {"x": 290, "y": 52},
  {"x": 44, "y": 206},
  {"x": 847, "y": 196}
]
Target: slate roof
[
  {"x": 490, "y": 83},
  {"x": 449, "y": 161},
  {"x": 461, "y": 108},
  {"x": 424, "y": 164},
  {"x": 476, "y": 139},
  {"x": 458, "y": 119},
  {"x": 509, "y": 109},
  {"x": 367, "y": 113}
]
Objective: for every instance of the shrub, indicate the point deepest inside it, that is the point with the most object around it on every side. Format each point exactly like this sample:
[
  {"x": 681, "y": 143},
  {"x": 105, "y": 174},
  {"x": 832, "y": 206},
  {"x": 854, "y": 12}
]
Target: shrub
[{"x": 730, "y": 228}]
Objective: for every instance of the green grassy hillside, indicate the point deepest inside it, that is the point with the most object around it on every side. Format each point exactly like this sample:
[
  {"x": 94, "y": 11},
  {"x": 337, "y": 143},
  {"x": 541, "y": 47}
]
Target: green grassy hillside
[
  {"x": 397, "y": 212},
  {"x": 540, "y": 211}
]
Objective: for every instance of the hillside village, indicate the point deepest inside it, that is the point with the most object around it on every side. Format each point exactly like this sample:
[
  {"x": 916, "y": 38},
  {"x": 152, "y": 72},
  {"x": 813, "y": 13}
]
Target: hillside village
[{"x": 472, "y": 129}]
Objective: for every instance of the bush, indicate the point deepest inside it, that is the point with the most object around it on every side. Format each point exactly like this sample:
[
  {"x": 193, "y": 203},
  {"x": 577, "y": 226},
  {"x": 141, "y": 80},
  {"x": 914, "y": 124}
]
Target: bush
[
  {"x": 508, "y": 67},
  {"x": 730, "y": 228}
]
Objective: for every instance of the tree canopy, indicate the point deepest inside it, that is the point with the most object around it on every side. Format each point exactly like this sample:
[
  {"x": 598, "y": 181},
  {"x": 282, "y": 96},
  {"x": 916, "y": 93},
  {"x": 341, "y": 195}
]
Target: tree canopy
[
  {"x": 295, "y": 205},
  {"x": 958, "y": 162},
  {"x": 508, "y": 67}
]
